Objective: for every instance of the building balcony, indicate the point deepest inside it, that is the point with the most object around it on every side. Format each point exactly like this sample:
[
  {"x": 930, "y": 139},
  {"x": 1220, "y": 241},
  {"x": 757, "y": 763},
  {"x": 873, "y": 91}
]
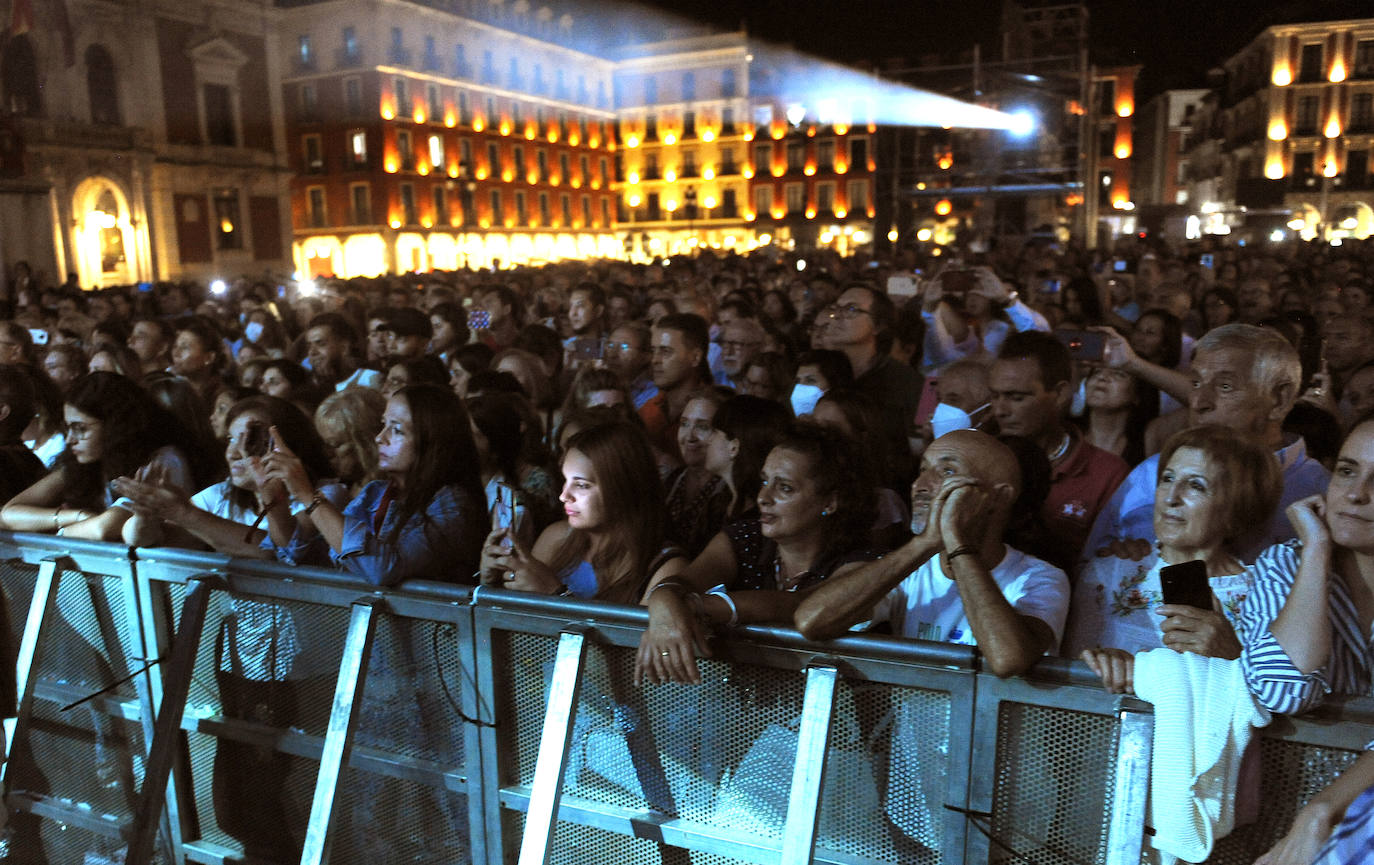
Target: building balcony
[
  {"x": 650, "y": 174},
  {"x": 728, "y": 169},
  {"x": 360, "y": 217},
  {"x": 346, "y": 59},
  {"x": 431, "y": 63},
  {"x": 463, "y": 70},
  {"x": 398, "y": 56},
  {"x": 303, "y": 65},
  {"x": 689, "y": 171},
  {"x": 315, "y": 166}
]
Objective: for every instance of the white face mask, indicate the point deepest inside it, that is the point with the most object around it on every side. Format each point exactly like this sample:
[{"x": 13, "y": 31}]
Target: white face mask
[
  {"x": 948, "y": 418},
  {"x": 804, "y": 398},
  {"x": 252, "y": 331}
]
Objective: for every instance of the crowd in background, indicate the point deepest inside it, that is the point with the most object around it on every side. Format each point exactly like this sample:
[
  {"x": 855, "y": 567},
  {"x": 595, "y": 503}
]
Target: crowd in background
[{"x": 1006, "y": 447}]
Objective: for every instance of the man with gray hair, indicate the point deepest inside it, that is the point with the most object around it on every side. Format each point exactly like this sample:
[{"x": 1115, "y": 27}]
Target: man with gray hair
[
  {"x": 741, "y": 339},
  {"x": 1245, "y": 378}
]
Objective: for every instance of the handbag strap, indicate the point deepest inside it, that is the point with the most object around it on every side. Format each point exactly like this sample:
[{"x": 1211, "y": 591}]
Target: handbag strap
[{"x": 228, "y": 633}]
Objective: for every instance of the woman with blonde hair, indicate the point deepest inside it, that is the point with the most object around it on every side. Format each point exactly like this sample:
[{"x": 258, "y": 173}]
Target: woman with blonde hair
[{"x": 349, "y": 421}]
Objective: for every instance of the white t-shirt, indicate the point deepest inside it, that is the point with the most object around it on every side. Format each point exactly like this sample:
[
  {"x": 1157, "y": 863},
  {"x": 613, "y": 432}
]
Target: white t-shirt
[
  {"x": 215, "y": 499},
  {"x": 927, "y": 605}
]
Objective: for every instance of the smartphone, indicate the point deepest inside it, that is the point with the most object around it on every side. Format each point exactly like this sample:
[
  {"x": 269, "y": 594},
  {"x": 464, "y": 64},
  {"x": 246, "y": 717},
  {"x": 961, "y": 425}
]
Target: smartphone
[
  {"x": 901, "y": 286},
  {"x": 930, "y": 397},
  {"x": 586, "y": 348},
  {"x": 1084, "y": 344},
  {"x": 1205, "y": 260},
  {"x": 1119, "y": 265},
  {"x": 958, "y": 282},
  {"x": 1186, "y": 584},
  {"x": 258, "y": 441},
  {"x": 479, "y": 319},
  {"x": 145, "y": 286},
  {"x": 1051, "y": 286},
  {"x": 508, "y": 512},
  {"x": 38, "y": 335}
]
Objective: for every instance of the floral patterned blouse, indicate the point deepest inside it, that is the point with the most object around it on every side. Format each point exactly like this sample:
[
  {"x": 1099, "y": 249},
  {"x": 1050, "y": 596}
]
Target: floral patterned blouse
[{"x": 1114, "y": 604}]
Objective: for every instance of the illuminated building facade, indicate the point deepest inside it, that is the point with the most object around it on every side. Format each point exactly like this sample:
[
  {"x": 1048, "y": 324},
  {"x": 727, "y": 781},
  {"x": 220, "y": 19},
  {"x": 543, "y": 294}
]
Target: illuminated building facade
[
  {"x": 722, "y": 148},
  {"x": 469, "y": 133},
  {"x": 1161, "y": 164},
  {"x": 1284, "y": 142},
  {"x": 141, "y": 142}
]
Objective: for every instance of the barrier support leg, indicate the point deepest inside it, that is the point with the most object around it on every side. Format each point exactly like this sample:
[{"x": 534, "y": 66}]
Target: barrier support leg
[
  {"x": 547, "y": 788},
  {"x": 343, "y": 723},
  {"x": 1126, "y": 832},
  {"x": 40, "y": 611},
  {"x": 176, "y": 684},
  {"x": 808, "y": 775}
]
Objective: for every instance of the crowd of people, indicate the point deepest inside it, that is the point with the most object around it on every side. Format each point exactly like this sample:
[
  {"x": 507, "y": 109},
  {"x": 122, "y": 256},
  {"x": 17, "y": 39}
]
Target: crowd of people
[{"x": 1005, "y": 450}]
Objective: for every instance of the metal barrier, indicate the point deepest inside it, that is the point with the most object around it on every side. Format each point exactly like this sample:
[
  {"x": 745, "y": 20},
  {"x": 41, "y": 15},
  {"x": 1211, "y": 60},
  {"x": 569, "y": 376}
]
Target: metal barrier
[{"x": 437, "y": 724}]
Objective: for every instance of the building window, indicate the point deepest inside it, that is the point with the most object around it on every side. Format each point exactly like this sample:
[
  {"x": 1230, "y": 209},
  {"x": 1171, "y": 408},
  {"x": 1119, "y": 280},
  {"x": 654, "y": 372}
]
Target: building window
[
  {"x": 689, "y": 163},
  {"x": 460, "y": 62},
  {"x": 605, "y": 177},
  {"x": 431, "y": 58},
  {"x": 464, "y": 157},
  {"x": 315, "y": 196},
  {"x": 763, "y": 115},
  {"x": 353, "y": 96},
  {"x": 440, "y": 206},
  {"x": 586, "y": 210},
  {"x": 729, "y": 208},
  {"x": 357, "y": 147},
  {"x": 651, "y": 127},
  {"x": 858, "y": 154},
  {"x": 1361, "y": 112},
  {"x": 858, "y": 195},
  {"x": 402, "y": 91},
  {"x": 1364, "y": 58},
  {"x": 228, "y": 228},
  {"x": 605, "y": 213},
  {"x": 314, "y": 153},
  {"x": 497, "y": 211},
  {"x": 763, "y": 155},
  {"x": 407, "y": 150},
  {"x": 1106, "y": 97},
  {"x": 565, "y": 208},
  {"x": 545, "y": 216},
  {"x": 305, "y": 54},
  {"x": 102, "y": 87},
  {"x": 763, "y": 199},
  {"x": 521, "y": 211},
  {"x": 689, "y": 86},
  {"x": 541, "y": 159},
  {"x": 493, "y": 157},
  {"x": 585, "y": 171},
  {"x": 727, "y": 84},
  {"x": 220, "y": 127},
  {"x": 1307, "y": 115},
  {"x": 362, "y": 206},
  {"x": 564, "y": 172},
  {"x": 408, "y": 212},
  {"x": 397, "y": 54},
  {"x": 689, "y": 124},
  {"x": 825, "y": 197},
  {"x": 351, "y": 55},
  {"x": 436, "y": 108},
  {"x": 825, "y": 155},
  {"x": 518, "y": 154},
  {"x": 795, "y": 195},
  {"x": 1310, "y": 66},
  {"x": 491, "y": 117},
  {"x": 1357, "y": 168},
  {"x": 513, "y": 79},
  {"x": 727, "y": 161},
  {"x": 796, "y": 155},
  {"x": 727, "y": 121},
  {"x": 1303, "y": 164},
  {"x": 436, "y": 152},
  {"x": 464, "y": 109},
  {"x": 651, "y": 166},
  {"x": 309, "y": 102}
]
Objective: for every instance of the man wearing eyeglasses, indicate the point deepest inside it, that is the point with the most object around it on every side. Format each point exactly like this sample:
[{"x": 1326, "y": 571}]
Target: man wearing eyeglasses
[
  {"x": 740, "y": 341},
  {"x": 860, "y": 325},
  {"x": 627, "y": 356}
]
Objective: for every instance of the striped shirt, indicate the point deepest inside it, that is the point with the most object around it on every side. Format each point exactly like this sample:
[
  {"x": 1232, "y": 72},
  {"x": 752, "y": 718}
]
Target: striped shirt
[
  {"x": 1353, "y": 838},
  {"x": 1273, "y": 679}
]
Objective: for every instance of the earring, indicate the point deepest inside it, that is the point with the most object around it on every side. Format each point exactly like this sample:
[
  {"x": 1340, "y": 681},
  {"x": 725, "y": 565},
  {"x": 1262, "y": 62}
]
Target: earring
[{"x": 825, "y": 512}]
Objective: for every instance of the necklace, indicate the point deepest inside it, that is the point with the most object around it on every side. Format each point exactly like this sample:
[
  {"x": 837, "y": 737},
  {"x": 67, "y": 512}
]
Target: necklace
[{"x": 1062, "y": 449}]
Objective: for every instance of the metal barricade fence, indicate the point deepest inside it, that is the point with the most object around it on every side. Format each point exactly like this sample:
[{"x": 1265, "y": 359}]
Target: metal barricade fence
[{"x": 291, "y": 714}]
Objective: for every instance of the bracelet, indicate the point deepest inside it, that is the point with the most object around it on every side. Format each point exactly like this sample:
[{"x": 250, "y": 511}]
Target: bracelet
[
  {"x": 719, "y": 592},
  {"x": 315, "y": 501},
  {"x": 674, "y": 583},
  {"x": 955, "y": 553}
]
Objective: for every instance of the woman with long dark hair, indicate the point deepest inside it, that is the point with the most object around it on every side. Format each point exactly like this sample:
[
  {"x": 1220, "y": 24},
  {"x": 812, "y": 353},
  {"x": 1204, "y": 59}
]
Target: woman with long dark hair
[
  {"x": 114, "y": 429},
  {"x": 424, "y": 518},
  {"x": 612, "y": 540}
]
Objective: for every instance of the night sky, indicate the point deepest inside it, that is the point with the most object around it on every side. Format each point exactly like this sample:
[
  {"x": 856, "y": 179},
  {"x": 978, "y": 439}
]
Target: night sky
[{"x": 1175, "y": 40}]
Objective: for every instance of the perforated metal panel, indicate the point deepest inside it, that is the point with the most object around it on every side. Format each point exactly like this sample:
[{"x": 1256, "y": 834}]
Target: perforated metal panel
[
  {"x": 387, "y": 819},
  {"x": 886, "y": 775},
  {"x": 410, "y": 698},
  {"x": 50, "y": 842},
  {"x": 587, "y": 845},
  {"x": 1291, "y": 774},
  {"x": 1054, "y": 783}
]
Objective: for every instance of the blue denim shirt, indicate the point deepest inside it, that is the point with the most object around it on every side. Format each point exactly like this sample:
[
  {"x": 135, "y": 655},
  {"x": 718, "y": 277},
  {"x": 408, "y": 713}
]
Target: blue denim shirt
[{"x": 445, "y": 545}]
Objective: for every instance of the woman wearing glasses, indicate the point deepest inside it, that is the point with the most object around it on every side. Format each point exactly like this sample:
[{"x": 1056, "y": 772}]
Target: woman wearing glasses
[{"x": 114, "y": 429}]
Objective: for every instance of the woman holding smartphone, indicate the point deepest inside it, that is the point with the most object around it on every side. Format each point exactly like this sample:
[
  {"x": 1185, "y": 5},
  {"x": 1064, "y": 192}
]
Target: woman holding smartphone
[
  {"x": 425, "y": 518},
  {"x": 1213, "y": 484}
]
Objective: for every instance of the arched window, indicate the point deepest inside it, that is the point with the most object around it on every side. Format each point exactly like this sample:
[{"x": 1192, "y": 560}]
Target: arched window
[
  {"x": 101, "y": 86},
  {"x": 19, "y": 73}
]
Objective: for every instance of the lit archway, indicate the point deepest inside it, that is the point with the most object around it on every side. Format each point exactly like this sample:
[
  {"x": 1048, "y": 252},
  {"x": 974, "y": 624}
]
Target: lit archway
[{"x": 104, "y": 237}]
